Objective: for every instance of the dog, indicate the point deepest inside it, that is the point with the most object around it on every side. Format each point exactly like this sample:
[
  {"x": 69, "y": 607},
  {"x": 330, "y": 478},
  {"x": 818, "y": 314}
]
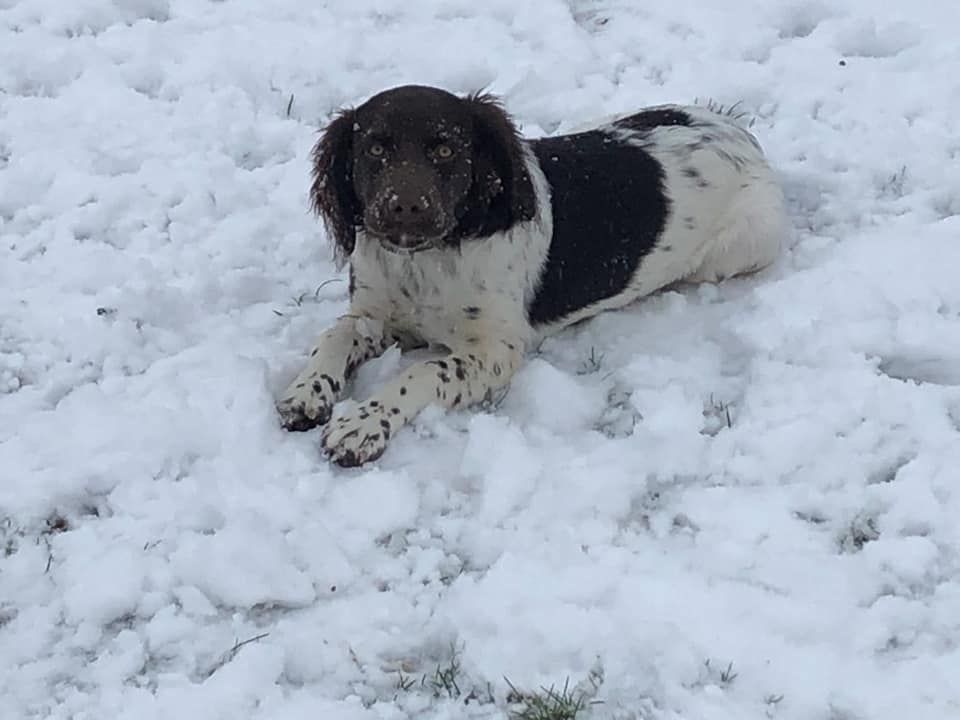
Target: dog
[{"x": 462, "y": 235}]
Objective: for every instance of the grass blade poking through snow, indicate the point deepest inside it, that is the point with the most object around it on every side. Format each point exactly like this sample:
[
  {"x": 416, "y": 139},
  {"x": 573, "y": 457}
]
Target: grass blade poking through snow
[{"x": 547, "y": 703}]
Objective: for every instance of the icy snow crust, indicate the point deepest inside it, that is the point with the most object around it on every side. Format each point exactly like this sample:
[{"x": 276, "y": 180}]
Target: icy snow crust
[{"x": 734, "y": 501}]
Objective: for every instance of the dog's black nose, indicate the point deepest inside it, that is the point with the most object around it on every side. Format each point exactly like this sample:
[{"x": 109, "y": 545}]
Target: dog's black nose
[{"x": 408, "y": 209}]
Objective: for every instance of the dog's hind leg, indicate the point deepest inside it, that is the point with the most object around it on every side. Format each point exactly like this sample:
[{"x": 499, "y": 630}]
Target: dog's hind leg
[{"x": 748, "y": 236}]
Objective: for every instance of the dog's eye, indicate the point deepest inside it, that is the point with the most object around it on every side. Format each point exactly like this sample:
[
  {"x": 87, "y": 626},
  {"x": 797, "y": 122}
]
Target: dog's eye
[
  {"x": 376, "y": 150},
  {"x": 443, "y": 151}
]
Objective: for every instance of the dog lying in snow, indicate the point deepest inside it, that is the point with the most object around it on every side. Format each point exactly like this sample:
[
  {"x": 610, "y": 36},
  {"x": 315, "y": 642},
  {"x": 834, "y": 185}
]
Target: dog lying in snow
[{"x": 463, "y": 235}]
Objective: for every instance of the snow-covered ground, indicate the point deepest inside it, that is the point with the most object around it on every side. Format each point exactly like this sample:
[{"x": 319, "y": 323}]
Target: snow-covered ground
[{"x": 734, "y": 501}]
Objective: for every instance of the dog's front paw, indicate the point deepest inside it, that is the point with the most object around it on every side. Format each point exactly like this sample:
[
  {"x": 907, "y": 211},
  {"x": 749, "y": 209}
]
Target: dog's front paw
[
  {"x": 308, "y": 402},
  {"x": 358, "y": 436}
]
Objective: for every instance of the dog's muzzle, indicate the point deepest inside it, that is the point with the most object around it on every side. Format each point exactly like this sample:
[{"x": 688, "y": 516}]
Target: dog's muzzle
[{"x": 407, "y": 219}]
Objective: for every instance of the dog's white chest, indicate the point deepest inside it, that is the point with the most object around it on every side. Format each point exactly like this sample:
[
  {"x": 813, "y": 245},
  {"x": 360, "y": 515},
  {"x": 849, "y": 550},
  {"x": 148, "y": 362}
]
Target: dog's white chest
[{"x": 448, "y": 295}]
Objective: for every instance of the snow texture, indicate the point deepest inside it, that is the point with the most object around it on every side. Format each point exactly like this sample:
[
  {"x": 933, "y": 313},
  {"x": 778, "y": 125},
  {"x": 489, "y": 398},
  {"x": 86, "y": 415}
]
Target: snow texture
[{"x": 733, "y": 501}]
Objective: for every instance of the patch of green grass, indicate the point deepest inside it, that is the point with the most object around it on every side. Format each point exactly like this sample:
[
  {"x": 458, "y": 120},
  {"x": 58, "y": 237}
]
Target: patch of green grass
[
  {"x": 405, "y": 682},
  {"x": 547, "y": 703},
  {"x": 444, "y": 678},
  {"x": 447, "y": 681},
  {"x": 723, "y": 677},
  {"x": 711, "y": 675},
  {"x": 727, "y": 675}
]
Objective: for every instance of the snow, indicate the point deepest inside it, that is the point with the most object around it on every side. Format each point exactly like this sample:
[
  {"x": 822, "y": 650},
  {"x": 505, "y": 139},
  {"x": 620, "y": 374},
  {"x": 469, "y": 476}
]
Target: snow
[{"x": 733, "y": 501}]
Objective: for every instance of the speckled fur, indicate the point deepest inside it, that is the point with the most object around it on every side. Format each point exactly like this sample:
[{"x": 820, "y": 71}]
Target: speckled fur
[
  {"x": 473, "y": 299},
  {"x": 727, "y": 211}
]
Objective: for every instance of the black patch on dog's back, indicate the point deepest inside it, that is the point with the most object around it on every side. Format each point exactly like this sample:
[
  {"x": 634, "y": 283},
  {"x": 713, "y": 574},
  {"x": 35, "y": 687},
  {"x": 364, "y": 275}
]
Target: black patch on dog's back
[
  {"x": 656, "y": 117},
  {"x": 609, "y": 208}
]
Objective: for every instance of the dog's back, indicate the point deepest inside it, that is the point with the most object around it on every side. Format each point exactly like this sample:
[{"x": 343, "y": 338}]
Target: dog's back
[{"x": 645, "y": 199}]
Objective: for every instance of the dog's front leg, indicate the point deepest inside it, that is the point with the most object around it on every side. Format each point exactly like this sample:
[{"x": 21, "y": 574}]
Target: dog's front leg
[
  {"x": 465, "y": 376},
  {"x": 309, "y": 399}
]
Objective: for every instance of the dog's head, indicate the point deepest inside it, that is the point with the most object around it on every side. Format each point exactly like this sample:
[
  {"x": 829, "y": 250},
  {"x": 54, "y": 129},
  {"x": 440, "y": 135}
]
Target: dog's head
[{"x": 417, "y": 167}]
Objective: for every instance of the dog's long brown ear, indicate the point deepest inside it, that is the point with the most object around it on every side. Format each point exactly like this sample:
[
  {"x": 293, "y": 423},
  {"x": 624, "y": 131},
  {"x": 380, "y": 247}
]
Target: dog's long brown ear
[
  {"x": 332, "y": 194},
  {"x": 501, "y": 180}
]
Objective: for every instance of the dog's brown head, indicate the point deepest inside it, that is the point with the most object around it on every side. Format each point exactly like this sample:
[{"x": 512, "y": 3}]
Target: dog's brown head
[{"x": 418, "y": 167}]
